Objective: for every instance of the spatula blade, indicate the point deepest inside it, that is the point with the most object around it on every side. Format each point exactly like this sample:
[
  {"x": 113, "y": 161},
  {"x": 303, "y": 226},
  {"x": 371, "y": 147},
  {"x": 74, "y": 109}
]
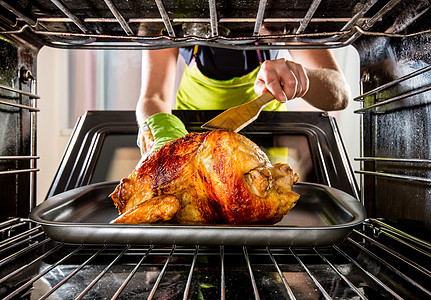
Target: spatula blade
[{"x": 238, "y": 117}]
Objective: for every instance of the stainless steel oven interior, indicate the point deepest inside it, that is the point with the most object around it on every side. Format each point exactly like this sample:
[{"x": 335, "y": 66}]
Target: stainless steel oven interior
[{"x": 387, "y": 256}]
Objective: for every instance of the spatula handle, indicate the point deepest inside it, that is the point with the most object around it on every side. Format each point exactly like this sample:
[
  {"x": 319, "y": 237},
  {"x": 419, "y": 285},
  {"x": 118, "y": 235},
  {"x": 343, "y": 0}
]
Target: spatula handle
[{"x": 264, "y": 99}]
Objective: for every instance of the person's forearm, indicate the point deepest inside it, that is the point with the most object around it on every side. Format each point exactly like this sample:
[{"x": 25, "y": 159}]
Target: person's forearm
[
  {"x": 149, "y": 107},
  {"x": 157, "y": 83},
  {"x": 328, "y": 89}
]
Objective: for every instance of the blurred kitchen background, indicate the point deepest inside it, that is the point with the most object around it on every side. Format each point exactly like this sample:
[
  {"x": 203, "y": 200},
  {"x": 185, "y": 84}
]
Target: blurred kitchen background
[{"x": 70, "y": 82}]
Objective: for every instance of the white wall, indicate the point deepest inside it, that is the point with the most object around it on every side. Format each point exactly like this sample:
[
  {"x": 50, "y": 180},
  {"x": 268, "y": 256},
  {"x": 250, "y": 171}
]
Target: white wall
[
  {"x": 52, "y": 75},
  {"x": 116, "y": 86}
]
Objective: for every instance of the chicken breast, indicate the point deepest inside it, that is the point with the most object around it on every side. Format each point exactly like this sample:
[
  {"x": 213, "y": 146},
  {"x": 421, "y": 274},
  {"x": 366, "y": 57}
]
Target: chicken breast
[{"x": 215, "y": 177}]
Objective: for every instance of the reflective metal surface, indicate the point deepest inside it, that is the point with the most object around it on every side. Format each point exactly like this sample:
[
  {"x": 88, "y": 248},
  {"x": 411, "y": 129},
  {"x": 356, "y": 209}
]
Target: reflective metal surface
[
  {"x": 375, "y": 262},
  {"x": 230, "y": 24},
  {"x": 396, "y": 112},
  {"x": 323, "y": 216},
  {"x": 18, "y": 110}
]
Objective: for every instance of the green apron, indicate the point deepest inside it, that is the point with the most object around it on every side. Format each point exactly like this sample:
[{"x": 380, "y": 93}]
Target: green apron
[{"x": 198, "y": 92}]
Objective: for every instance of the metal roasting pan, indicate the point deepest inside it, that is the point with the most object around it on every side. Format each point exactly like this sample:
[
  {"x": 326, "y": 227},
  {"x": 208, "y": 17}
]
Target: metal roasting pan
[{"x": 323, "y": 216}]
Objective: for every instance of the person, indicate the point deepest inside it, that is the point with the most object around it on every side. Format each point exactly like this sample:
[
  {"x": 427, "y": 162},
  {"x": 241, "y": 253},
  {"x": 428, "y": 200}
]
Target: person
[{"x": 217, "y": 78}]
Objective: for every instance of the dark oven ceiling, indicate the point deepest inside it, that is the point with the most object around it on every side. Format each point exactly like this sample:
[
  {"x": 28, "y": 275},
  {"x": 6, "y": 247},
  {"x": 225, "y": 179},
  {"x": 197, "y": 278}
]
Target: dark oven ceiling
[{"x": 221, "y": 23}]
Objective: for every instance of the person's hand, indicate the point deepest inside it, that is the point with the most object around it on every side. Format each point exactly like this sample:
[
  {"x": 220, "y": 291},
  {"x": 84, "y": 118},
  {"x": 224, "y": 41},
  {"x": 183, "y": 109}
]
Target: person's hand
[
  {"x": 157, "y": 130},
  {"x": 284, "y": 79}
]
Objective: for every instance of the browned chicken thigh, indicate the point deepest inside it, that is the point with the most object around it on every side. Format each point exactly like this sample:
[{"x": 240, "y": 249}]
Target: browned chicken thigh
[{"x": 216, "y": 177}]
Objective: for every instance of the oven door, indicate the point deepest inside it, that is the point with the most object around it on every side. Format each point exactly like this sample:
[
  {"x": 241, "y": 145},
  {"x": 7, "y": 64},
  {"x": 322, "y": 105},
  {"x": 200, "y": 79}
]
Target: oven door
[{"x": 103, "y": 147}]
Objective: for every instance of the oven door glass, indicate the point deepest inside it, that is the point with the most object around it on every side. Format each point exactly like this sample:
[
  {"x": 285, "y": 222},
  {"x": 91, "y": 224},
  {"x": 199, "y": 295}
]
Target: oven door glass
[
  {"x": 119, "y": 155},
  {"x": 103, "y": 147}
]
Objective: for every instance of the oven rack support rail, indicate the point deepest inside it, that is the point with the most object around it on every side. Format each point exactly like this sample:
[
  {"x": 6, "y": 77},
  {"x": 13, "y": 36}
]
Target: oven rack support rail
[
  {"x": 376, "y": 102},
  {"x": 13, "y": 98},
  {"x": 83, "y": 37},
  {"x": 376, "y": 259}
]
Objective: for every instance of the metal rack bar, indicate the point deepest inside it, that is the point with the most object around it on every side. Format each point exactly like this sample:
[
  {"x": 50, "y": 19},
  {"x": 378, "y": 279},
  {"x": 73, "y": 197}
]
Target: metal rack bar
[
  {"x": 395, "y": 254},
  {"x": 39, "y": 258},
  {"x": 30, "y": 108},
  {"x": 165, "y": 17},
  {"x": 396, "y": 176},
  {"x": 160, "y": 42},
  {"x": 316, "y": 282},
  {"x": 351, "y": 26},
  {"x": 389, "y": 266},
  {"x": 372, "y": 21},
  {"x": 222, "y": 275},
  {"x": 350, "y": 30},
  {"x": 10, "y": 89},
  {"x": 14, "y": 239},
  {"x": 17, "y": 13},
  {"x": 392, "y": 35},
  {"x": 410, "y": 20},
  {"x": 400, "y": 233},
  {"x": 259, "y": 17},
  {"x": 11, "y": 225},
  {"x": 70, "y": 15},
  {"x": 19, "y": 241},
  {"x": 392, "y": 83},
  {"x": 162, "y": 272},
  {"x": 352, "y": 22},
  {"x": 248, "y": 252},
  {"x": 394, "y": 99},
  {"x": 395, "y": 238},
  {"x": 347, "y": 281},
  {"x": 374, "y": 278},
  {"x": 19, "y": 171},
  {"x": 233, "y": 45},
  {"x": 392, "y": 159},
  {"x": 202, "y": 20},
  {"x": 19, "y": 157},
  {"x": 250, "y": 271},
  {"x": 132, "y": 273},
  {"x": 213, "y": 18},
  {"x": 42, "y": 273},
  {"x": 189, "y": 278},
  {"x": 282, "y": 277},
  {"x": 13, "y": 256},
  {"x": 76, "y": 270},
  {"x": 119, "y": 17},
  {"x": 100, "y": 275},
  {"x": 33, "y": 151},
  {"x": 308, "y": 16}
]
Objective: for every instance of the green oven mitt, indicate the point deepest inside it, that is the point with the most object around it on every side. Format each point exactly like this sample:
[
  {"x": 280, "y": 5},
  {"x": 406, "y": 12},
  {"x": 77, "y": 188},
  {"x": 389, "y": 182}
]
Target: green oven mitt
[{"x": 158, "y": 130}]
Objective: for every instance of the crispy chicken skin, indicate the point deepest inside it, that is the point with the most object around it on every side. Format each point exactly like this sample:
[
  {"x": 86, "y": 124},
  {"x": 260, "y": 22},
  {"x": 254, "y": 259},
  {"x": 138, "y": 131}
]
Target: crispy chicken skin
[{"x": 215, "y": 177}]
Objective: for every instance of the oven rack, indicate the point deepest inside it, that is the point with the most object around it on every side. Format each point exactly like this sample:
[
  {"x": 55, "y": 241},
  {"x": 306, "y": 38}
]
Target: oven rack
[
  {"x": 375, "y": 96},
  {"x": 13, "y": 99},
  {"x": 377, "y": 260},
  {"x": 375, "y": 102},
  {"x": 211, "y": 30}
]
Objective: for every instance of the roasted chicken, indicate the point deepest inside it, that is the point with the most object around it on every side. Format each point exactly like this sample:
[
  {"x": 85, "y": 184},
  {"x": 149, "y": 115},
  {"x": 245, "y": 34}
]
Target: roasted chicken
[{"x": 216, "y": 177}]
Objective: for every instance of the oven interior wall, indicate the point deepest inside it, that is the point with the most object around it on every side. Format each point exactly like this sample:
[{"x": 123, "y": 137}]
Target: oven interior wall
[
  {"x": 396, "y": 78},
  {"x": 17, "y": 127}
]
